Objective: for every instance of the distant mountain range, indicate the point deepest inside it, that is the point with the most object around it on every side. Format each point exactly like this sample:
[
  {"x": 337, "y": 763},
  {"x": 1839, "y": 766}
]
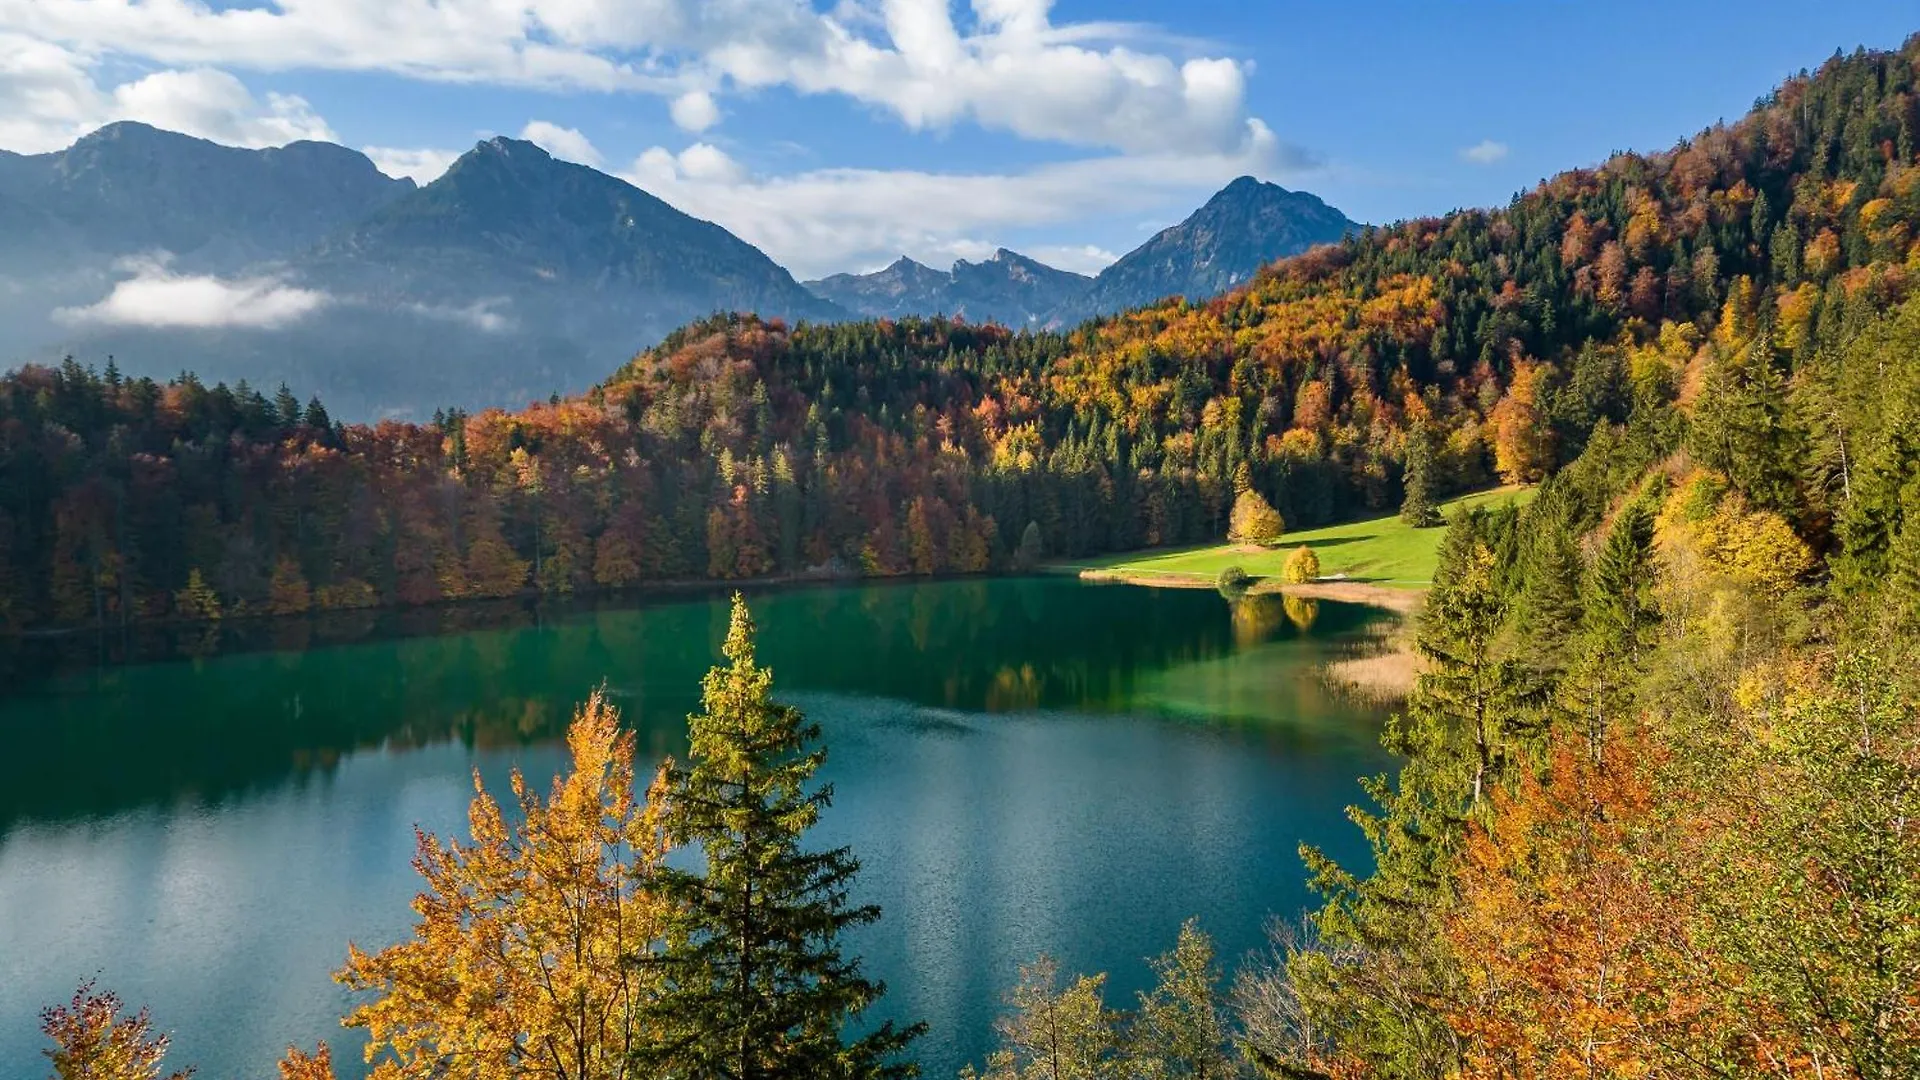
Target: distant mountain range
[
  {"x": 512, "y": 276},
  {"x": 1242, "y": 228},
  {"x": 1009, "y": 288}
]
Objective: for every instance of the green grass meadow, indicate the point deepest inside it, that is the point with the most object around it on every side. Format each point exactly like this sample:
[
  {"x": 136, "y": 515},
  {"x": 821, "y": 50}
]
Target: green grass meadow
[{"x": 1379, "y": 551}]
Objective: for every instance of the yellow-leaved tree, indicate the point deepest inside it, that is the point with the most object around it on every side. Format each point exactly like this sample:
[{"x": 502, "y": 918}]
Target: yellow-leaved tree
[
  {"x": 1254, "y": 520},
  {"x": 519, "y": 968},
  {"x": 93, "y": 1040}
]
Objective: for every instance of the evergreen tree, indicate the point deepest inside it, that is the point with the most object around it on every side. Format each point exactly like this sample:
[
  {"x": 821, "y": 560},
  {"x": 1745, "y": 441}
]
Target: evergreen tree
[
  {"x": 286, "y": 407},
  {"x": 1417, "y": 508},
  {"x": 1743, "y": 428},
  {"x": 1619, "y": 623},
  {"x": 756, "y": 987},
  {"x": 1547, "y": 611}
]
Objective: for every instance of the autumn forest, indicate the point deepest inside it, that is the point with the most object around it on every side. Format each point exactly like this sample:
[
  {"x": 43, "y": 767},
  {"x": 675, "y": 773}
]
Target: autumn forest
[{"x": 1656, "y": 807}]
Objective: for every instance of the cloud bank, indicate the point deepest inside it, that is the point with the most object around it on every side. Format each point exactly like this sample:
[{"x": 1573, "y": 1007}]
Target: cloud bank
[{"x": 156, "y": 298}]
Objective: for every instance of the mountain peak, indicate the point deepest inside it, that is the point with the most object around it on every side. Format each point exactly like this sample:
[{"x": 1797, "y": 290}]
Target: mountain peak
[
  {"x": 128, "y": 129},
  {"x": 501, "y": 144},
  {"x": 1244, "y": 226},
  {"x": 1248, "y": 188},
  {"x": 131, "y": 187}
]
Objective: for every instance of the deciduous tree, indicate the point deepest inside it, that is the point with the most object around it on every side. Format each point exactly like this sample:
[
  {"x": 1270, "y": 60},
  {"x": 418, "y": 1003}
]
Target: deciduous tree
[{"x": 520, "y": 967}]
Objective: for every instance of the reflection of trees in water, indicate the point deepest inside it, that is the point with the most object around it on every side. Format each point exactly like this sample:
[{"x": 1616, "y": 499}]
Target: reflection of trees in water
[
  {"x": 111, "y": 737},
  {"x": 1302, "y": 611},
  {"x": 1260, "y": 617}
]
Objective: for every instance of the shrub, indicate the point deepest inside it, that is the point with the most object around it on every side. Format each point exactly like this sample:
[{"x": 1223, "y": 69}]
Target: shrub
[
  {"x": 1233, "y": 581},
  {"x": 1302, "y": 566}
]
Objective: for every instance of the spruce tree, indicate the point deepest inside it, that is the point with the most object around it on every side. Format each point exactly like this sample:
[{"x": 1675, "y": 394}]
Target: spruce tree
[
  {"x": 756, "y": 987},
  {"x": 1417, "y": 508},
  {"x": 1619, "y": 624},
  {"x": 1548, "y": 610}
]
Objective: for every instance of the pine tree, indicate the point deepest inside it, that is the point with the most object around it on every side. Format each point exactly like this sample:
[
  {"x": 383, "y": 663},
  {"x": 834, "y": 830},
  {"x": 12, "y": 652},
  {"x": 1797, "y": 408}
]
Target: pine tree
[
  {"x": 755, "y": 984},
  {"x": 286, "y": 407},
  {"x": 1743, "y": 428}
]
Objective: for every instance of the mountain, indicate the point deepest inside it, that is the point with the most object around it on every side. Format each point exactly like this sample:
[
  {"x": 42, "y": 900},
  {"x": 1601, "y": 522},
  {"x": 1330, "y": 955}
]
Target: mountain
[
  {"x": 1008, "y": 288},
  {"x": 1246, "y": 225},
  {"x": 509, "y": 218},
  {"x": 130, "y": 188},
  {"x": 511, "y": 277}
]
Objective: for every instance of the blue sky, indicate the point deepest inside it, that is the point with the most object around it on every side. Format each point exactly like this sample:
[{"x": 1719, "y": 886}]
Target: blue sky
[{"x": 839, "y": 133}]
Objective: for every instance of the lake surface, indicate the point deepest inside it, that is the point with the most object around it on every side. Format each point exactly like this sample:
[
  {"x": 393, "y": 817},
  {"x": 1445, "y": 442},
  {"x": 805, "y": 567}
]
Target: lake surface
[{"x": 1022, "y": 765}]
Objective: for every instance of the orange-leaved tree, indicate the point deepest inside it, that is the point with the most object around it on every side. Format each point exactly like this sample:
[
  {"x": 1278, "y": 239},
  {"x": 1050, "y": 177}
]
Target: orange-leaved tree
[
  {"x": 519, "y": 966},
  {"x": 1566, "y": 949}
]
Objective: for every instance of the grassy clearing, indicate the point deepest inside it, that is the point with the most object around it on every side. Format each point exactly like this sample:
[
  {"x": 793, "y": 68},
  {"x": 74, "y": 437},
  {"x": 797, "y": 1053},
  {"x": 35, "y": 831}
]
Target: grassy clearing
[{"x": 1383, "y": 551}]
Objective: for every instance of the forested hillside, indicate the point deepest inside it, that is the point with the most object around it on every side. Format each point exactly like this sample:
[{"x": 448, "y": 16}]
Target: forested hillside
[
  {"x": 1718, "y": 300},
  {"x": 1657, "y": 812}
]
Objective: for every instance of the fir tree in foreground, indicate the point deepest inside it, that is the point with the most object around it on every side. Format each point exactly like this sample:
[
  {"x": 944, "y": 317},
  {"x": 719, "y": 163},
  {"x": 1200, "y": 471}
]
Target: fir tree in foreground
[{"x": 754, "y": 984}]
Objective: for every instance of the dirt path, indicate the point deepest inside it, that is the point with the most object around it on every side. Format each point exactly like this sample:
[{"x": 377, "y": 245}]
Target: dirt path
[{"x": 1402, "y": 601}]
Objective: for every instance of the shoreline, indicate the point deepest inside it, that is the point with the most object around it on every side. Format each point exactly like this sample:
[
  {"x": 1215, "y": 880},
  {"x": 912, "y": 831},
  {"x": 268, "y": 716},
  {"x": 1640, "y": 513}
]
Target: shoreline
[
  {"x": 1385, "y": 676},
  {"x": 1401, "y": 601}
]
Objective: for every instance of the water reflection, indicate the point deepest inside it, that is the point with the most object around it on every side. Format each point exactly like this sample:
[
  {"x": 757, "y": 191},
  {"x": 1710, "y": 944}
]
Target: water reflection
[{"x": 99, "y": 739}]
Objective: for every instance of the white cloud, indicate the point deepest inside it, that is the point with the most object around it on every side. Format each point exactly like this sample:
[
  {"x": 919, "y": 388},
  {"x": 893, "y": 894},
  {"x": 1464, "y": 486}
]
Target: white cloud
[
  {"x": 1081, "y": 258},
  {"x": 660, "y": 169},
  {"x": 49, "y": 97},
  {"x": 1008, "y": 66},
  {"x": 479, "y": 315},
  {"x": 694, "y": 111},
  {"x": 424, "y": 164},
  {"x": 215, "y": 105},
  {"x": 565, "y": 143},
  {"x": 1485, "y": 152},
  {"x": 157, "y": 297},
  {"x": 827, "y": 221}
]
